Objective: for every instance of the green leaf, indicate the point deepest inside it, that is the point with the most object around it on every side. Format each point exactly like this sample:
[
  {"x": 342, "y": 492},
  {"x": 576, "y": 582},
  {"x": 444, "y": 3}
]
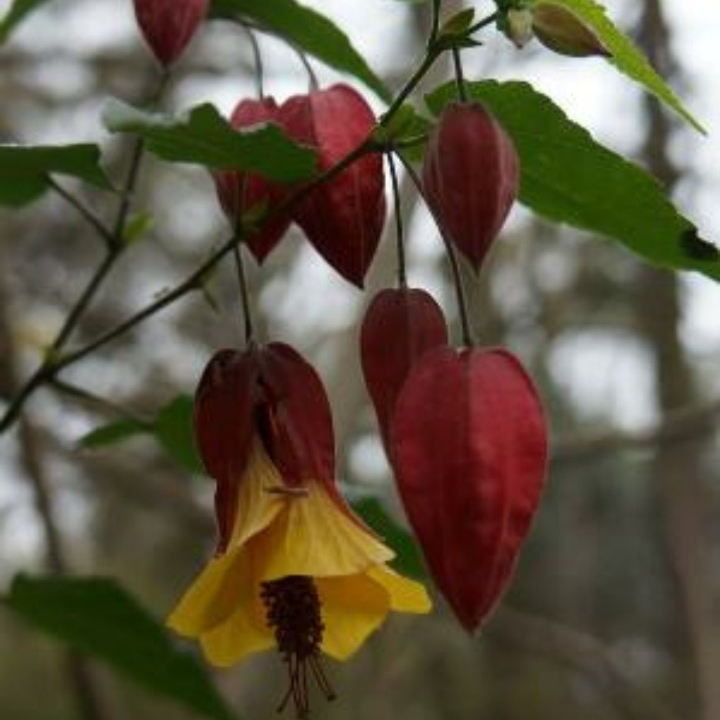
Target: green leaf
[
  {"x": 112, "y": 433},
  {"x": 25, "y": 169},
  {"x": 17, "y": 12},
  {"x": 96, "y": 616},
  {"x": 408, "y": 559},
  {"x": 204, "y": 137},
  {"x": 625, "y": 55},
  {"x": 174, "y": 429},
  {"x": 459, "y": 23},
  {"x": 306, "y": 29},
  {"x": 569, "y": 177},
  {"x": 407, "y": 131}
]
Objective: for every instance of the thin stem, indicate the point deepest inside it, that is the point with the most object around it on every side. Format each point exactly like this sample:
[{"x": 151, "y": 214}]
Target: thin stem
[
  {"x": 84, "y": 300},
  {"x": 134, "y": 169},
  {"x": 430, "y": 57},
  {"x": 129, "y": 187},
  {"x": 435, "y": 26},
  {"x": 90, "y": 398},
  {"x": 84, "y": 211},
  {"x": 312, "y": 77},
  {"x": 483, "y": 23},
  {"x": 257, "y": 60},
  {"x": 460, "y": 293},
  {"x": 467, "y": 338},
  {"x": 313, "y": 81},
  {"x": 459, "y": 79},
  {"x": 244, "y": 294},
  {"x": 399, "y": 230}
]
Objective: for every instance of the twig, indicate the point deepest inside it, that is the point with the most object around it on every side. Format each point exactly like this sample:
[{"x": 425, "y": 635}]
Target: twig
[
  {"x": 50, "y": 365},
  {"x": 56, "y": 362},
  {"x": 85, "y": 298},
  {"x": 100, "y": 403},
  {"x": 480, "y": 24},
  {"x": 93, "y": 220}
]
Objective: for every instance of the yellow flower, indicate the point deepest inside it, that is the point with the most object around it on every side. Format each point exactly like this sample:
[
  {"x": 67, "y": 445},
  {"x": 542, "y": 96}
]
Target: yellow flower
[{"x": 302, "y": 547}]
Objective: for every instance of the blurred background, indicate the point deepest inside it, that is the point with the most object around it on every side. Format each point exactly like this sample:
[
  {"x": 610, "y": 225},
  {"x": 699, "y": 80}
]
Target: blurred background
[{"x": 615, "y": 608}]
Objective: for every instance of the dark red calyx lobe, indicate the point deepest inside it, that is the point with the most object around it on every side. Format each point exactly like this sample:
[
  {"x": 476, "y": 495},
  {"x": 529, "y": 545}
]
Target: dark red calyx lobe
[{"x": 267, "y": 392}]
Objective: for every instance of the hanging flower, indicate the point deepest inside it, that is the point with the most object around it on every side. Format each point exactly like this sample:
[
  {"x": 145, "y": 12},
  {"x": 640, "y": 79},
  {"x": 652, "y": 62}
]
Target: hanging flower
[
  {"x": 296, "y": 569},
  {"x": 169, "y": 25}
]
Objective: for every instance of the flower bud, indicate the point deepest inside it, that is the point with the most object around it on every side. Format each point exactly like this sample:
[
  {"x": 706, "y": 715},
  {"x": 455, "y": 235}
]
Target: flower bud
[
  {"x": 469, "y": 450},
  {"x": 343, "y": 218},
  {"x": 240, "y": 192},
  {"x": 559, "y": 29},
  {"x": 169, "y": 25},
  {"x": 470, "y": 177},
  {"x": 517, "y": 25},
  {"x": 400, "y": 325}
]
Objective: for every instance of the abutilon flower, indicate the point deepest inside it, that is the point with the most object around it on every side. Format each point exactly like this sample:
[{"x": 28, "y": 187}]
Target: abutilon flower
[
  {"x": 169, "y": 25},
  {"x": 470, "y": 177},
  {"x": 240, "y": 192},
  {"x": 342, "y": 218},
  {"x": 400, "y": 325},
  {"x": 469, "y": 450},
  {"x": 561, "y": 30},
  {"x": 295, "y": 567}
]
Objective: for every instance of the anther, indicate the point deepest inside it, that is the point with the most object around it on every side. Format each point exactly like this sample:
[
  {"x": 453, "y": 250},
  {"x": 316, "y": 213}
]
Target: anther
[{"x": 292, "y": 608}]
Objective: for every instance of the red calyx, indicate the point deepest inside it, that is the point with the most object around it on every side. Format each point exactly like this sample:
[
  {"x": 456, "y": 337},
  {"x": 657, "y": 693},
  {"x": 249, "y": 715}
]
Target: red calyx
[
  {"x": 238, "y": 192},
  {"x": 470, "y": 177},
  {"x": 169, "y": 25},
  {"x": 343, "y": 218},
  {"x": 400, "y": 325},
  {"x": 470, "y": 450},
  {"x": 270, "y": 392}
]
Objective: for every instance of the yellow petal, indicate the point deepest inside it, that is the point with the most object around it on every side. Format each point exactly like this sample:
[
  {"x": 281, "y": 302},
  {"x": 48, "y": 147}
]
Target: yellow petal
[
  {"x": 352, "y": 607},
  {"x": 314, "y": 537},
  {"x": 405, "y": 595},
  {"x": 237, "y": 637},
  {"x": 257, "y": 507},
  {"x": 213, "y": 596}
]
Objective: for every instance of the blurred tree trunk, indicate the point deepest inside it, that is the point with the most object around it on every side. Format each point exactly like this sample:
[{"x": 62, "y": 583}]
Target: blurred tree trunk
[{"x": 678, "y": 466}]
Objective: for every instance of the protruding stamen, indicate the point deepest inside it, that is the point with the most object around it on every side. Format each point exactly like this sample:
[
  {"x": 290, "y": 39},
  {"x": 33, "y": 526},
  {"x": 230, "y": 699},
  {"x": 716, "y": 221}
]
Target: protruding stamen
[{"x": 292, "y": 610}]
